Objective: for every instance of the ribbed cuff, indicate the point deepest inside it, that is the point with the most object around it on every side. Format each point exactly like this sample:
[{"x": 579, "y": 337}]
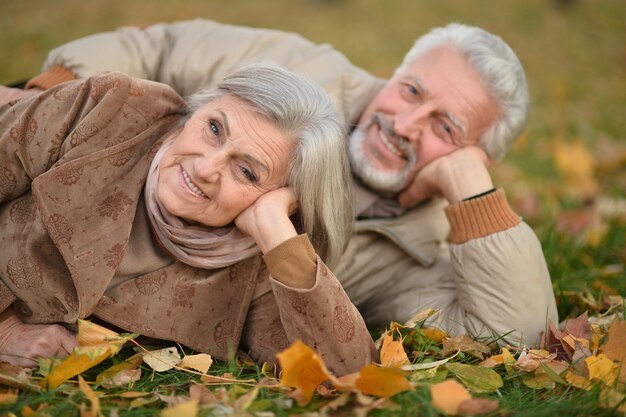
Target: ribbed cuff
[
  {"x": 480, "y": 217},
  {"x": 293, "y": 262},
  {"x": 54, "y": 75}
]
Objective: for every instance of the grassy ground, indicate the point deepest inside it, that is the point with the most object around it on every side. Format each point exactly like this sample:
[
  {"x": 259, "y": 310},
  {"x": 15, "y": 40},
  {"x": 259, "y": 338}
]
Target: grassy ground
[{"x": 566, "y": 175}]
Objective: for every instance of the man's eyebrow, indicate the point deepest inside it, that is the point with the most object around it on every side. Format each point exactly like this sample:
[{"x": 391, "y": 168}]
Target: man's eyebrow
[{"x": 456, "y": 122}]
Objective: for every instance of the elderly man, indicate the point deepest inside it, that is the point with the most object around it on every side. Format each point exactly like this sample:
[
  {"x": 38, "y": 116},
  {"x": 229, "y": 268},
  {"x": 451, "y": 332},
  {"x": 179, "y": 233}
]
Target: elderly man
[{"x": 431, "y": 231}]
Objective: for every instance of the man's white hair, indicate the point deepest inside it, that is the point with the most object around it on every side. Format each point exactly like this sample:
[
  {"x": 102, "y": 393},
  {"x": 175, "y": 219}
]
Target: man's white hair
[{"x": 499, "y": 68}]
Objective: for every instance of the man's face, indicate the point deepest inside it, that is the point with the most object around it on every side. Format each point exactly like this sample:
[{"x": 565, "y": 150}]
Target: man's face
[{"x": 437, "y": 105}]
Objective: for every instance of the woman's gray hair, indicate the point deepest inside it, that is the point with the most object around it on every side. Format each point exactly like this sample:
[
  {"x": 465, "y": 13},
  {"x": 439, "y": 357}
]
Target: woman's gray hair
[
  {"x": 318, "y": 171},
  {"x": 499, "y": 68}
]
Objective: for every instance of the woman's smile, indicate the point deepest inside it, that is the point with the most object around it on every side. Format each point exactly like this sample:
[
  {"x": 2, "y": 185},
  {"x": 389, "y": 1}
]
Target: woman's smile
[{"x": 188, "y": 185}]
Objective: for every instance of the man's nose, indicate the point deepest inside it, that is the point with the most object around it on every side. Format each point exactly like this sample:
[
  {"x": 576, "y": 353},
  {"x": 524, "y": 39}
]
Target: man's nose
[{"x": 410, "y": 123}]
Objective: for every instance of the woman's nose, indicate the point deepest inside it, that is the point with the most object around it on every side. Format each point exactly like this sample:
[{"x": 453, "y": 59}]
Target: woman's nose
[{"x": 210, "y": 168}]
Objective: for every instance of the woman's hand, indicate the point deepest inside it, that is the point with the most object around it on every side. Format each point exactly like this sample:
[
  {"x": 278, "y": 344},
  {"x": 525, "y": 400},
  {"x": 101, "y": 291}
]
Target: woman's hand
[
  {"x": 22, "y": 344},
  {"x": 267, "y": 219}
]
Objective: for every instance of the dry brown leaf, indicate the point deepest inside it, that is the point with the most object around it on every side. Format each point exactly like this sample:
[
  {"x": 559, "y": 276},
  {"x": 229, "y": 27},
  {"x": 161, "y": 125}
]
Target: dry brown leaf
[
  {"x": 615, "y": 348},
  {"x": 202, "y": 394},
  {"x": 448, "y": 395},
  {"x": 531, "y": 360},
  {"x": 477, "y": 406},
  {"x": 464, "y": 343},
  {"x": 243, "y": 402},
  {"x": 201, "y": 362},
  {"x": 122, "y": 378},
  {"x": 129, "y": 364},
  {"x": 381, "y": 381},
  {"x": 392, "y": 352},
  {"x": 163, "y": 359},
  {"x": 302, "y": 369}
]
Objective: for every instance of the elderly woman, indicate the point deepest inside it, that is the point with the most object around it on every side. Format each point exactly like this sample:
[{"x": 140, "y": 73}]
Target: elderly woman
[{"x": 119, "y": 200}]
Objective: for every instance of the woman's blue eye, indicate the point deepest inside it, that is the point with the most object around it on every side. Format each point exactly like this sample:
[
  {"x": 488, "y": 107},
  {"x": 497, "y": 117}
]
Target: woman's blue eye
[{"x": 214, "y": 128}]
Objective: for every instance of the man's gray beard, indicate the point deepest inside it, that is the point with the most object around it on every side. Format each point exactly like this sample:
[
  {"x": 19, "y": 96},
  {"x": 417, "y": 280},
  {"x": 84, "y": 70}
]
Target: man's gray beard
[{"x": 382, "y": 181}]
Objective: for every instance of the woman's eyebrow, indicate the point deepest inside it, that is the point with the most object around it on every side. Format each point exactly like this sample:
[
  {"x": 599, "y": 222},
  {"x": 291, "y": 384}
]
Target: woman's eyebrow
[
  {"x": 256, "y": 162},
  {"x": 224, "y": 121}
]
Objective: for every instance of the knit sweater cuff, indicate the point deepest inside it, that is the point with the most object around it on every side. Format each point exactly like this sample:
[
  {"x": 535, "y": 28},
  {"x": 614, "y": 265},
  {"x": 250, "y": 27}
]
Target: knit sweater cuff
[
  {"x": 480, "y": 217},
  {"x": 54, "y": 75}
]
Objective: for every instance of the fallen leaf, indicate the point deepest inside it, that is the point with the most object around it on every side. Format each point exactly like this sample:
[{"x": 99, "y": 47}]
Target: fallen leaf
[
  {"x": 538, "y": 381},
  {"x": 464, "y": 343},
  {"x": 302, "y": 369},
  {"x": 420, "y": 317},
  {"x": 476, "y": 406},
  {"x": 8, "y": 397},
  {"x": 530, "y": 360},
  {"x": 615, "y": 348},
  {"x": 163, "y": 359},
  {"x": 576, "y": 165},
  {"x": 577, "y": 380},
  {"x": 134, "y": 394},
  {"x": 202, "y": 394},
  {"x": 91, "y": 396},
  {"x": 242, "y": 403},
  {"x": 434, "y": 334},
  {"x": 122, "y": 378},
  {"x": 186, "y": 409},
  {"x": 96, "y": 343},
  {"x": 602, "y": 368},
  {"x": 448, "y": 395},
  {"x": 476, "y": 378},
  {"x": 128, "y": 364},
  {"x": 392, "y": 352},
  {"x": 201, "y": 362},
  {"x": 381, "y": 381},
  {"x": 427, "y": 365}
]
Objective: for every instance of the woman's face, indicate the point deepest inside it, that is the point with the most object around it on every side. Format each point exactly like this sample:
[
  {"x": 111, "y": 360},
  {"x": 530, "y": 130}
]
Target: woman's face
[{"x": 225, "y": 157}]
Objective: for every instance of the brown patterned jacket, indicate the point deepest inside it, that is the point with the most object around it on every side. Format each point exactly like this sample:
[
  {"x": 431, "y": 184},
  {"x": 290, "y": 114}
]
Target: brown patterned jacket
[{"x": 76, "y": 242}]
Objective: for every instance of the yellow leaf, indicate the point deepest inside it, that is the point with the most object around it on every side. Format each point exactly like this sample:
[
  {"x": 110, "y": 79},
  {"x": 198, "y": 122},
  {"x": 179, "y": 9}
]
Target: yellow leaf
[
  {"x": 577, "y": 380},
  {"x": 383, "y": 382},
  {"x": 186, "y": 409},
  {"x": 201, "y": 362},
  {"x": 73, "y": 365},
  {"x": 434, "y": 334},
  {"x": 538, "y": 381},
  {"x": 163, "y": 359},
  {"x": 576, "y": 164},
  {"x": 91, "y": 396},
  {"x": 448, "y": 395},
  {"x": 92, "y": 334},
  {"x": 392, "y": 353},
  {"x": 96, "y": 344},
  {"x": 302, "y": 369},
  {"x": 602, "y": 368}
]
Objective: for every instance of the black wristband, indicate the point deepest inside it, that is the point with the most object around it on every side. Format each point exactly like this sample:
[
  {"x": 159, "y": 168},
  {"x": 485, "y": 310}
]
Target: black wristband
[{"x": 480, "y": 195}]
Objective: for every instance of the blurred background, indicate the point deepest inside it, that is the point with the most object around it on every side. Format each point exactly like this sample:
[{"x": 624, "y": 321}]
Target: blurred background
[{"x": 566, "y": 175}]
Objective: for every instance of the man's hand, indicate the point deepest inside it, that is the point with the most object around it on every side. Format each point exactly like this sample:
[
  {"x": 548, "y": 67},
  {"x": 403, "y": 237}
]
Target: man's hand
[
  {"x": 267, "y": 219},
  {"x": 22, "y": 344},
  {"x": 456, "y": 176}
]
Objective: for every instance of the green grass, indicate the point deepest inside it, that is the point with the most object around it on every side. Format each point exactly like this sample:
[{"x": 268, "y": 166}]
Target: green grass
[{"x": 575, "y": 58}]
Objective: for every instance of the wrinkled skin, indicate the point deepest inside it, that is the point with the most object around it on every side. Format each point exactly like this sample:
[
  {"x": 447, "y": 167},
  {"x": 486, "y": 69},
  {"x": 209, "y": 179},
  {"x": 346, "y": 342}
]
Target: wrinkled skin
[{"x": 22, "y": 344}]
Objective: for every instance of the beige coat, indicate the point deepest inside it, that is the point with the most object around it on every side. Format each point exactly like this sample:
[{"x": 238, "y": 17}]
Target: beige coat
[
  {"x": 492, "y": 281},
  {"x": 76, "y": 241}
]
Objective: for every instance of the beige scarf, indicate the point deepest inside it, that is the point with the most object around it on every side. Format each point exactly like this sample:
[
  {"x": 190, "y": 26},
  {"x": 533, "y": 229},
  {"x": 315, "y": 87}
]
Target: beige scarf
[{"x": 199, "y": 246}]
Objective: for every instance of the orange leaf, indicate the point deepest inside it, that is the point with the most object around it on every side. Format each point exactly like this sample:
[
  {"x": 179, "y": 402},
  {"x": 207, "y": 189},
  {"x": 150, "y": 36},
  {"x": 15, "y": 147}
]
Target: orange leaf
[
  {"x": 383, "y": 382},
  {"x": 91, "y": 396},
  {"x": 448, "y": 395},
  {"x": 615, "y": 348},
  {"x": 434, "y": 334},
  {"x": 302, "y": 369},
  {"x": 392, "y": 353}
]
